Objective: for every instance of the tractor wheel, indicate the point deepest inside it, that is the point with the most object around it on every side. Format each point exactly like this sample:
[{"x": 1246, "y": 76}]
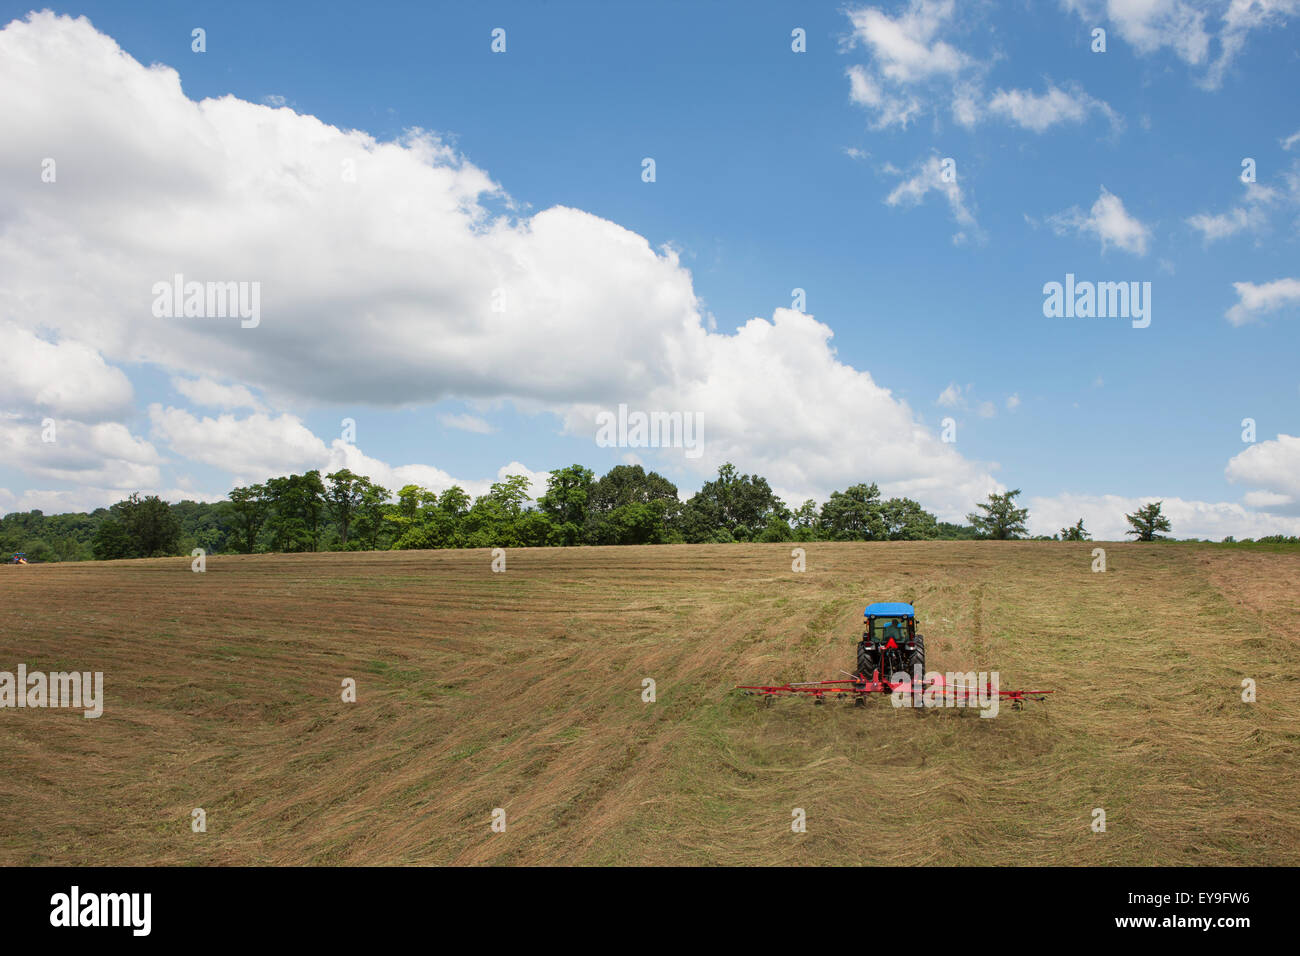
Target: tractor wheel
[
  {"x": 917, "y": 661},
  {"x": 866, "y": 660},
  {"x": 918, "y": 656}
]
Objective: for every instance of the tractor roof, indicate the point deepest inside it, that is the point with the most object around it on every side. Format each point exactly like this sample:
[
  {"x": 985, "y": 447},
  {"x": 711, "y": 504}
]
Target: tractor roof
[{"x": 889, "y": 609}]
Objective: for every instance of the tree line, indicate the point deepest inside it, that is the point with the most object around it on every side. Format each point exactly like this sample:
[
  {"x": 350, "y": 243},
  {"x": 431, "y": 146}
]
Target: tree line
[
  {"x": 627, "y": 505},
  {"x": 343, "y": 511}
]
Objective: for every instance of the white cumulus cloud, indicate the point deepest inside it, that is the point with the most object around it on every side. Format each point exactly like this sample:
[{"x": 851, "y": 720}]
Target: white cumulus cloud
[
  {"x": 437, "y": 292},
  {"x": 1272, "y": 468},
  {"x": 1103, "y": 517},
  {"x": 59, "y": 378}
]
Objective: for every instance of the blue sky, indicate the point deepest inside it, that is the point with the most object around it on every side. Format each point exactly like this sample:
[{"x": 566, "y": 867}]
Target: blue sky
[{"x": 775, "y": 170}]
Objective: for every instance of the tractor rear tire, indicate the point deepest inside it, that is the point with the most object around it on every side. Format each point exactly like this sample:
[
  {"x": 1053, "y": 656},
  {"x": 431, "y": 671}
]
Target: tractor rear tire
[
  {"x": 867, "y": 661},
  {"x": 918, "y": 656},
  {"x": 918, "y": 661}
]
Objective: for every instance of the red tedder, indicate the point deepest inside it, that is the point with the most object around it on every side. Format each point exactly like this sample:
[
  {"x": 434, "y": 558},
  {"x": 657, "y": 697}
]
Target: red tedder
[{"x": 857, "y": 687}]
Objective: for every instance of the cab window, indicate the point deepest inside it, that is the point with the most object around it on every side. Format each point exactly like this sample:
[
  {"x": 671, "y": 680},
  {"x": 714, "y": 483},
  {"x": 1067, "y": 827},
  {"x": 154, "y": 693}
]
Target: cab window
[{"x": 883, "y": 628}]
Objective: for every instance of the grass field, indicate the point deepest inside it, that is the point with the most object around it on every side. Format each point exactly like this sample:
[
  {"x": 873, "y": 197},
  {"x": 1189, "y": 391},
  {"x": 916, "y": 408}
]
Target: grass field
[{"x": 522, "y": 691}]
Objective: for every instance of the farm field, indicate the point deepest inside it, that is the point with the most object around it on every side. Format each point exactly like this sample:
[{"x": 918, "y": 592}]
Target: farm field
[{"x": 523, "y": 691}]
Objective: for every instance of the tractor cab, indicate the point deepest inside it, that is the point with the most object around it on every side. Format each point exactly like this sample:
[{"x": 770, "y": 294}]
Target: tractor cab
[
  {"x": 890, "y": 621},
  {"x": 889, "y": 641}
]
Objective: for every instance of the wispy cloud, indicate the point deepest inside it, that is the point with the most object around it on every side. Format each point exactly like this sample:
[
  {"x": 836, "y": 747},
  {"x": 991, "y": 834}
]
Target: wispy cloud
[
  {"x": 931, "y": 175},
  {"x": 1107, "y": 220},
  {"x": 915, "y": 66},
  {"x": 909, "y": 59},
  {"x": 1055, "y": 106},
  {"x": 1254, "y": 300},
  {"x": 204, "y": 391},
  {"x": 959, "y": 397},
  {"x": 1186, "y": 28},
  {"x": 1252, "y": 214},
  {"x": 467, "y": 423}
]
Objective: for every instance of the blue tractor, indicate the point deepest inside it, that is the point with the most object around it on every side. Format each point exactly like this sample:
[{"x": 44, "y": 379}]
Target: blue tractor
[{"x": 890, "y": 643}]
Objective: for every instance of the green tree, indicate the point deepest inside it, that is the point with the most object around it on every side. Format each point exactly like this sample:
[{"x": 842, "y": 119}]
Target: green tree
[
  {"x": 39, "y": 551},
  {"x": 65, "y": 537},
  {"x": 630, "y": 484},
  {"x": 492, "y": 521},
  {"x": 343, "y": 495},
  {"x": 311, "y": 499},
  {"x": 568, "y": 491},
  {"x": 454, "y": 502},
  {"x": 150, "y": 524},
  {"x": 435, "y": 521},
  {"x": 111, "y": 541},
  {"x": 248, "y": 509},
  {"x": 1076, "y": 532},
  {"x": 510, "y": 495},
  {"x": 411, "y": 499},
  {"x": 637, "y": 523},
  {"x": 622, "y": 502},
  {"x": 533, "y": 529},
  {"x": 297, "y": 502},
  {"x": 731, "y": 507},
  {"x": 806, "y": 521},
  {"x": 1147, "y": 521},
  {"x": 1001, "y": 519},
  {"x": 203, "y": 525},
  {"x": 905, "y": 520},
  {"x": 853, "y": 514},
  {"x": 776, "y": 529},
  {"x": 949, "y": 531},
  {"x": 413, "y": 504},
  {"x": 369, "y": 513}
]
